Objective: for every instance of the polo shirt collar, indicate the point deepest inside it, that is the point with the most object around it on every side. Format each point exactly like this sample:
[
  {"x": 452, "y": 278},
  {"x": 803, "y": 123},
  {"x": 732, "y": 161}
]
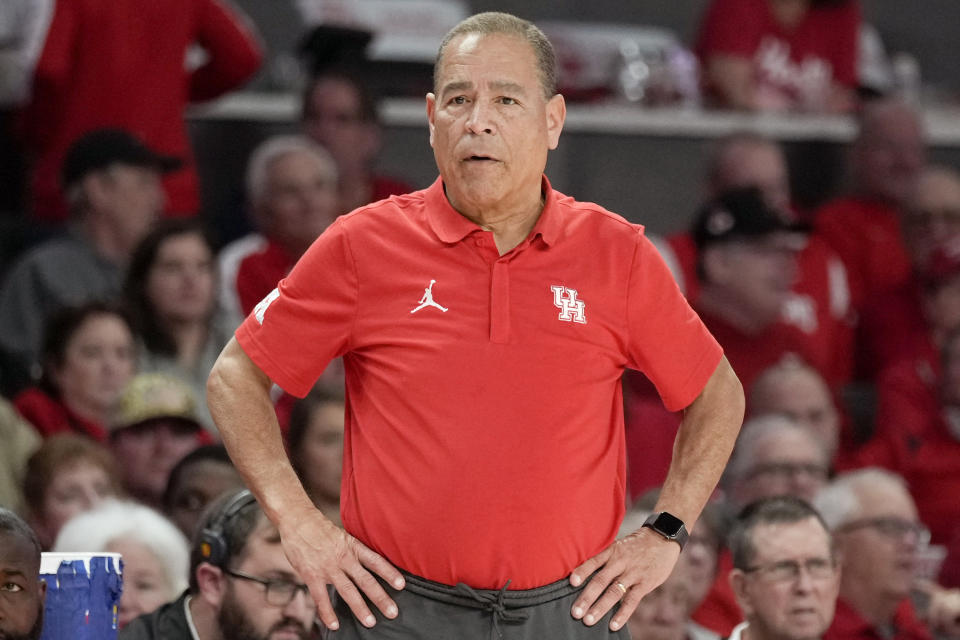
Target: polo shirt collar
[{"x": 452, "y": 227}]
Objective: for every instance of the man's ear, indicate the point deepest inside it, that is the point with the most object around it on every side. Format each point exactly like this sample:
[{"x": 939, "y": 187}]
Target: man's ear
[
  {"x": 431, "y": 114},
  {"x": 42, "y": 588},
  {"x": 556, "y": 116},
  {"x": 211, "y": 584},
  {"x": 738, "y": 582}
]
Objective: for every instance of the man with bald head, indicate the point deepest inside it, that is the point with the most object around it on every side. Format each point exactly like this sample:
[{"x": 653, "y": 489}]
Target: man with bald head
[
  {"x": 864, "y": 226},
  {"x": 22, "y": 592},
  {"x": 483, "y": 343},
  {"x": 903, "y": 323}
]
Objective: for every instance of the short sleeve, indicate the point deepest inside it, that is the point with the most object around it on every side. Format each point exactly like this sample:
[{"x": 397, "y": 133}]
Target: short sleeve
[
  {"x": 667, "y": 340},
  {"x": 294, "y": 332},
  {"x": 731, "y": 27}
]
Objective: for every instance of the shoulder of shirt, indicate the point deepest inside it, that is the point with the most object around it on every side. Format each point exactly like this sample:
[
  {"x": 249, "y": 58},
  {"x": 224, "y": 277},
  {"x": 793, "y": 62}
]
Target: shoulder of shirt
[{"x": 578, "y": 210}]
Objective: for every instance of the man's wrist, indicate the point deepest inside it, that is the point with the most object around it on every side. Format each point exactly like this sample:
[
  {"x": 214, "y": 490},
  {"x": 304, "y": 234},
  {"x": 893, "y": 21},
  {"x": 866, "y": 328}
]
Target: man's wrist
[{"x": 669, "y": 526}]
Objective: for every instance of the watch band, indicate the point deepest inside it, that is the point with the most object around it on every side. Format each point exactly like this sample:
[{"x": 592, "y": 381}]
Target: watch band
[{"x": 669, "y": 526}]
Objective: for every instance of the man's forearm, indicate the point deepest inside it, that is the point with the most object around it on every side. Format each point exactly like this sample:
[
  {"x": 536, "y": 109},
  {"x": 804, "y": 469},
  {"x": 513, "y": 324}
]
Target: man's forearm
[
  {"x": 703, "y": 445},
  {"x": 238, "y": 394}
]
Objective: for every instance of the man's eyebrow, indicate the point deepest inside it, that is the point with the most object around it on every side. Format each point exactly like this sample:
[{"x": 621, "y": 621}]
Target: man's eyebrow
[
  {"x": 506, "y": 85},
  {"x": 6, "y": 572},
  {"x": 458, "y": 85}
]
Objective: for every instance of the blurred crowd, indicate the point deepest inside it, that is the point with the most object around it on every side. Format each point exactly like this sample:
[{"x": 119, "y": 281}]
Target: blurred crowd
[{"x": 836, "y": 516}]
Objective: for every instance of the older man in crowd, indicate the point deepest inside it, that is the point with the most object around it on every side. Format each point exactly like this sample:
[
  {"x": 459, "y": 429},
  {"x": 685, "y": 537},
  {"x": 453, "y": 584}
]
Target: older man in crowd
[
  {"x": 874, "y": 522},
  {"x": 22, "y": 592},
  {"x": 291, "y": 185},
  {"x": 785, "y": 575}
]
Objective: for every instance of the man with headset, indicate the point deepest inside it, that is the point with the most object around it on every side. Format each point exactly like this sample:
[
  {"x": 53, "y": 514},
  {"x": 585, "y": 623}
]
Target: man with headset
[{"x": 241, "y": 585}]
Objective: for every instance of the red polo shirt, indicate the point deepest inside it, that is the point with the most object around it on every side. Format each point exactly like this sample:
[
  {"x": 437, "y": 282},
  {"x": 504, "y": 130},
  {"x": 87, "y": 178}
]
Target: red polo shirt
[{"x": 484, "y": 432}]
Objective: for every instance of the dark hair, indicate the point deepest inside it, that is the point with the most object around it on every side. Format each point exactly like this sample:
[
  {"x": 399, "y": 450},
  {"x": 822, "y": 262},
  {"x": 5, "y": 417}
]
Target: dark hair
[
  {"x": 776, "y": 510},
  {"x": 300, "y": 419},
  {"x": 144, "y": 316},
  {"x": 14, "y": 524},
  {"x": 59, "y": 451},
  {"x": 235, "y": 530},
  {"x": 493, "y": 22},
  {"x": 367, "y": 111},
  {"x": 60, "y": 329},
  {"x": 211, "y": 452}
]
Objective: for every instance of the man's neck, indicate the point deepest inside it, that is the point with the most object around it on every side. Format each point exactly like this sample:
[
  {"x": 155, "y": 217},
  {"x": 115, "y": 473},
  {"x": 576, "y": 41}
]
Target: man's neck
[
  {"x": 204, "y": 619},
  {"x": 510, "y": 225}
]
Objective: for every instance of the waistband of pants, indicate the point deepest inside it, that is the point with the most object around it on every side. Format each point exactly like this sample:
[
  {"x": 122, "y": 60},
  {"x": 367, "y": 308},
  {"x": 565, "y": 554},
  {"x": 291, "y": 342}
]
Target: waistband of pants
[{"x": 489, "y": 599}]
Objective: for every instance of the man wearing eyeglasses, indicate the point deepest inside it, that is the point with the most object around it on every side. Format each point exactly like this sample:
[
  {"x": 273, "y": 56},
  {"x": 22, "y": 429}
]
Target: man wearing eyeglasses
[
  {"x": 785, "y": 577},
  {"x": 249, "y": 592},
  {"x": 874, "y": 522}
]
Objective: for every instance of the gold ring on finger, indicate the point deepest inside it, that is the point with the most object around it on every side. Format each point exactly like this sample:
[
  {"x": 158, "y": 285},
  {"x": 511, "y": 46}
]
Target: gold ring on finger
[{"x": 623, "y": 589}]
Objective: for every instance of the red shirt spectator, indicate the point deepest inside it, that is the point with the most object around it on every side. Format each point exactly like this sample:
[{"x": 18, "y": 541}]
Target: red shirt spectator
[
  {"x": 850, "y": 625},
  {"x": 789, "y": 62},
  {"x": 51, "y": 416},
  {"x": 121, "y": 63}
]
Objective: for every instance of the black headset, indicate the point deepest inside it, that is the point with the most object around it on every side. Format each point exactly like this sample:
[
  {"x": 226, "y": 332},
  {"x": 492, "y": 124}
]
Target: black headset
[{"x": 213, "y": 545}]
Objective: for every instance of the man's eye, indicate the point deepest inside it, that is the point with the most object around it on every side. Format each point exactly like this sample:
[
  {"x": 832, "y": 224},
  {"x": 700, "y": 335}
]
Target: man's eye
[
  {"x": 507, "y": 100},
  {"x": 459, "y": 100},
  {"x": 12, "y": 587}
]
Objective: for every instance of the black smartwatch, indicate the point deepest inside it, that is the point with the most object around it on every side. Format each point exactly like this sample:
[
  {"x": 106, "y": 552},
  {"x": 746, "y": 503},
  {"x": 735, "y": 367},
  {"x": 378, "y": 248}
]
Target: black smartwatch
[{"x": 669, "y": 526}]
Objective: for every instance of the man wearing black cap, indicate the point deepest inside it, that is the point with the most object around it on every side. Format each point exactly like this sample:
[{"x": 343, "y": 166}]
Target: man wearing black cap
[
  {"x": 112, "y": 182},
  {"x": 747, "y": 266}
]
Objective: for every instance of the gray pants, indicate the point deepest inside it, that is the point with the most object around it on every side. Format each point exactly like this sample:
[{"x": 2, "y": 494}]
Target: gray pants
[{"x": 433, "y": 611}]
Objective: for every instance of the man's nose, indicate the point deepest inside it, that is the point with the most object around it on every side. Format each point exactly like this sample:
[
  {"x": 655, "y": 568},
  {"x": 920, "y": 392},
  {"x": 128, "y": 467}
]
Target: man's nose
[
  {"x": 302, "y": 608},
  {"x": 481, "y": 118}
]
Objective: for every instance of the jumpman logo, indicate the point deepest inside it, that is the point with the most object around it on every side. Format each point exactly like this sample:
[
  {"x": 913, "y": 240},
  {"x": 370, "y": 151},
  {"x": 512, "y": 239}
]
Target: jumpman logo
[{"x": 427, "y": 300}]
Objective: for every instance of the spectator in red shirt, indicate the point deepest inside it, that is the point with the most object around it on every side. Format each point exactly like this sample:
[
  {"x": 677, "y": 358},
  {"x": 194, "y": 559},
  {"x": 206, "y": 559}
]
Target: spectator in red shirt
[
  {"x": 893, "y": 325},
  {"x": 878, "y": 534},
  {"x": 125, "y": 63},
  {"x": 89, "y": 357},
  {"x": 292, "y": 187},
  {"x": 864, "y": 226},
  {"x": 340, "y": 114},
  {"x": 747, "y": 267},
  {"x": 818, "y": 307},
  {"x": 777, "y": 55}
]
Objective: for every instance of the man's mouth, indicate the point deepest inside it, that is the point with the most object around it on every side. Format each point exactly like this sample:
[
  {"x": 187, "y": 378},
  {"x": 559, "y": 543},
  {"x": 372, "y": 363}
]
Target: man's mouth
[{"x": 479, "y": 158}]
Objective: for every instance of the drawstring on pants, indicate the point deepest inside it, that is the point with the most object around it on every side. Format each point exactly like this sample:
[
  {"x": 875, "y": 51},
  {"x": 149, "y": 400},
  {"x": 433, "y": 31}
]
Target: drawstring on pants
[{"x": 494, "y": 604}]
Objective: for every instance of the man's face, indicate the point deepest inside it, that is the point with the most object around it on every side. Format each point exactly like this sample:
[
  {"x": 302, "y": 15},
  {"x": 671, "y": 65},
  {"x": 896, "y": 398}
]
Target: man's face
[
  {"x": 333, "y": 117},
  {"x": 879, "y": 544},
  {"x": 131, "y": 198},
  {"x": 300, "y": 200},
  {"x": 788, "y": 462},
  {"x": 932, "y": 215},
  {"x": 148, "y": 452},
  {"x": 804, "y": 397},
  {"x": 491, "y": 125},
  {"x": 790, "y": 590},
  {"x": 21, "y": 590},
  {"x": 245, "y": 613},
  {"x": 889, "y": 157},
  {"x": 200, "y": 484},
  {"x": 756, "y": 275}
]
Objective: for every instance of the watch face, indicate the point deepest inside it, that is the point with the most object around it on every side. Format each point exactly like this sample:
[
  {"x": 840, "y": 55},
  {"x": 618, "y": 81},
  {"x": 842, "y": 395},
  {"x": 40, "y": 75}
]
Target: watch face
[{"x": 668, "y": 524}]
